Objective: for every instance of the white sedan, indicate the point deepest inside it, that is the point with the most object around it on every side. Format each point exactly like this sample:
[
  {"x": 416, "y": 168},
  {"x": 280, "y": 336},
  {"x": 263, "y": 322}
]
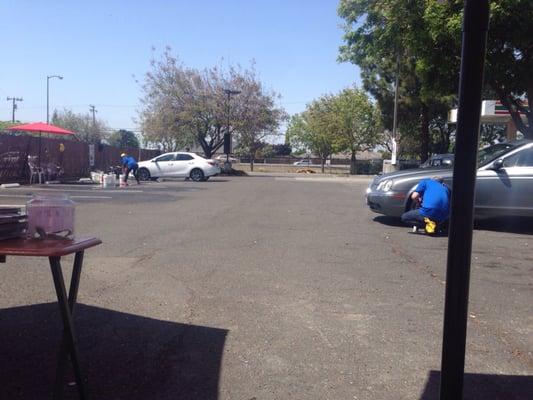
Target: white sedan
[{"x": 178, "y": 165}]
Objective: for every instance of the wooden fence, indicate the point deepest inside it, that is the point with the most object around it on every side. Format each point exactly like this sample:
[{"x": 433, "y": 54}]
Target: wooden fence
[{"x": 73, "y": 160}]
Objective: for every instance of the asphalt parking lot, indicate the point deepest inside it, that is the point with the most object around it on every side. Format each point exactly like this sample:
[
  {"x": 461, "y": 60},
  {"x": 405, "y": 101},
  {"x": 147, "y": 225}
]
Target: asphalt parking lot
[{"x": 264, "y": 287}]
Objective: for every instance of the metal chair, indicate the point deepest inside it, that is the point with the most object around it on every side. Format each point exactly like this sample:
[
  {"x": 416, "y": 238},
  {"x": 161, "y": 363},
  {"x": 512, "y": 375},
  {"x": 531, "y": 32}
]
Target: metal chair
[{"x": 35, "y": 171}]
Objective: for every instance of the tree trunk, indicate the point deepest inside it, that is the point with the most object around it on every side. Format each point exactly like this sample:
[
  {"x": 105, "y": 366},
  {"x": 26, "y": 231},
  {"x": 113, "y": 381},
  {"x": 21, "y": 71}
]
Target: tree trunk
[
  {"x": 252, "y": 163},
  {"x": 424, "y": 134},
  {"x": 353, "y": 166},
  {"x": 323, "y": 161},
  {"x": 525, "y": 128}
]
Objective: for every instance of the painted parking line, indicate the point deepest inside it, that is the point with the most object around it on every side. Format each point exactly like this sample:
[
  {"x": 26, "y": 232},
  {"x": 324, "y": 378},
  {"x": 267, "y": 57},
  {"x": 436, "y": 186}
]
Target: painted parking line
[
  {"x": 25, "y": 196},
  {"x": 322, "y": 180},
  {"x": 90, "y": 197},
  {"x": 116, "y": 190},
  {"x": 38, "y": 189}
]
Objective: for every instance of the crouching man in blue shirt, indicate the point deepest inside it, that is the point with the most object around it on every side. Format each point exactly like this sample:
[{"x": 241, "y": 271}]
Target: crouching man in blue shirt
[
  {"x": 434, "y": 197},
  {"x": 129, "y": 165}
]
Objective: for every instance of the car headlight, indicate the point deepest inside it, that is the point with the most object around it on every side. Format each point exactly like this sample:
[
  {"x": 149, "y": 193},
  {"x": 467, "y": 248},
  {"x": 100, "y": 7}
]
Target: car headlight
[{"x": 385, "y": 185}]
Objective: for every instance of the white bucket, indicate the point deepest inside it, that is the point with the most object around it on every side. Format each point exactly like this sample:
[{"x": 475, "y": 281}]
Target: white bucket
[
  {"x": 122, "y": 180},
  {"x": 109, "y": 181},
  {"x": 96, "y": 177}
]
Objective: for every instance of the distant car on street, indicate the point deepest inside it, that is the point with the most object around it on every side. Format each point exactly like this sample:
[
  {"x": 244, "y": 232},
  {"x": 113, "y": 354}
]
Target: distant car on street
[
  {"x": 504, "y": 183},
  {"x": 224, "y": 158},
  {"x": 303, "y": 163},
  {"x": 178, "y": 165}
]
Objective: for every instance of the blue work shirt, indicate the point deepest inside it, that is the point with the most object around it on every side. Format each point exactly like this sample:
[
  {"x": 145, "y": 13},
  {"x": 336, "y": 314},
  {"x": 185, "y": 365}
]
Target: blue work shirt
[
  {"x": 129, "y": 162},
  {"x": 435, "y": 199}
]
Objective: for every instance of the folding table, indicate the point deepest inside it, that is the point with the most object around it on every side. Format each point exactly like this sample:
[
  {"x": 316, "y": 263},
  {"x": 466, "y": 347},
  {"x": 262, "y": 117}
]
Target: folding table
[{"x": 54, "y": 249}]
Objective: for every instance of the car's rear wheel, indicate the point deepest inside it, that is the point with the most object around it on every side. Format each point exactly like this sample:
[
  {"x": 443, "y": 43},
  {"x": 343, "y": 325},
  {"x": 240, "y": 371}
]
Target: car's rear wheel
[
  {"x": 197, "y": 175},
  {"x": 144, "y": 174}
]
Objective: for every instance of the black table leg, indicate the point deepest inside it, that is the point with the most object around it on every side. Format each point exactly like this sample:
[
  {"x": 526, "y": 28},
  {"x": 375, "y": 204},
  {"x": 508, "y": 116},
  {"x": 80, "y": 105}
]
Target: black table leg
[{"x": 66, "y": 306}]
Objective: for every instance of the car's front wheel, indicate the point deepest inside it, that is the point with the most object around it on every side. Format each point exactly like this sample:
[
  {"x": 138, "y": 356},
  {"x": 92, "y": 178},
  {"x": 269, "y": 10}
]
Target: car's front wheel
[
  {"x": 144, "y": 174},
  {"x": 197, "y": 175}
]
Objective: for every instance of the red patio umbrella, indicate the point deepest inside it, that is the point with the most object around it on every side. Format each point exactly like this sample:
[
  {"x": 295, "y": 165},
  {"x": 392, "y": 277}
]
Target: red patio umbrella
[{"x": 41, "y": 127}]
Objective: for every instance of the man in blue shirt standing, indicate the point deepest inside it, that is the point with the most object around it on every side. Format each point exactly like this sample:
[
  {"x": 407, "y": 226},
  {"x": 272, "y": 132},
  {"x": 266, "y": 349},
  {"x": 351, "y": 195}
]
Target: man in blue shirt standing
[
  {"x": 434, "y": 197},
  {"x": 129, "y": 164}
]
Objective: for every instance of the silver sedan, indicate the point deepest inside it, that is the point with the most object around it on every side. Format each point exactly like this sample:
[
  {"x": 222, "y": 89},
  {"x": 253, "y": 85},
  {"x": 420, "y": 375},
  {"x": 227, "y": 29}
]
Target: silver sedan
[{"x": 504, "y": 184}]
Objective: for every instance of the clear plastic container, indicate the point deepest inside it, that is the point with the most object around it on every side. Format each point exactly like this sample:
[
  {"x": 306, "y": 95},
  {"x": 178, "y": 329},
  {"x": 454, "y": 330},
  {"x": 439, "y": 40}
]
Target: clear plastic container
[{"x": 50, "y": 214}]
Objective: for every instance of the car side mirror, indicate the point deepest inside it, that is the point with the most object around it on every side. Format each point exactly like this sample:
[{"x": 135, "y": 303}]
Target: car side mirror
[{"x": 497, "y": 165}]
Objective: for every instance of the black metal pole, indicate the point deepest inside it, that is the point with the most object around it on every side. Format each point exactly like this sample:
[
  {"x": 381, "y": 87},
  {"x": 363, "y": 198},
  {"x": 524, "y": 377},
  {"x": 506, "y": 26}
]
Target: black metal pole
[
  {"x": 40, "y": 133},
  {"x": 47, "y": 99},
  {"x": 475, "y": 26},
  {"x": 227, "y": 132}
]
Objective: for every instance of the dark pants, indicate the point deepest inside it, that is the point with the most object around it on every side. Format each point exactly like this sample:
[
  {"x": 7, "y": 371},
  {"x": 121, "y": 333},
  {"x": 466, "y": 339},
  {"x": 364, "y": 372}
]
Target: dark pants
[
  {"x": 413, "y": 218},
  {"x": 135, "y": 174}
]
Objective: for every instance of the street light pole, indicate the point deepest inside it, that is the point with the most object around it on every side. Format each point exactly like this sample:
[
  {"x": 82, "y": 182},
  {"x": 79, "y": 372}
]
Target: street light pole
[
  {"x": 48, "y": 77},
  {"x": 227, "y": 135}
]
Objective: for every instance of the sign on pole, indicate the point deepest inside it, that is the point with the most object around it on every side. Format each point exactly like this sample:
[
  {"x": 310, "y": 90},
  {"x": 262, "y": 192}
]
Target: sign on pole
[
  {"x": 394, "y": 151},
  {"x": 91, "y": 155}
]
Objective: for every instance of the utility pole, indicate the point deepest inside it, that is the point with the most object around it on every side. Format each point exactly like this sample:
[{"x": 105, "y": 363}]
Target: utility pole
[
  {"x": 93, "y": 110},
  {"x": 395, "y": 118},
  {"x": 14, "y": 99}
]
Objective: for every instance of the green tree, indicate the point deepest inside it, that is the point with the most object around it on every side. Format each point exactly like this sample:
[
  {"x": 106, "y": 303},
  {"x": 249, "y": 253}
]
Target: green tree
[
  {"x": 425, "y": 37},
  {"x": 282, "y": 149},
  {"x": 257, "y": 117},
  {"x": 123, "y": 138},
  {"x": 183, "y": 105},
  {"x": 356, "y": 122},
  {"x": 377, "y": 34},
  {"x": 7, "y": 124},
  {"x": 82, "y": 125},
  {"x": 509, "y": 59},
  {"x": 314, "y": 129}
]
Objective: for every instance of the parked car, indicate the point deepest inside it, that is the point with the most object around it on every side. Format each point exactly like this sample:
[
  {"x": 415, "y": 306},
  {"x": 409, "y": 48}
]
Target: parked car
[
  {"x": 178, "y": 165},
  {"x": 303, "y": 163},
  {"x": 504, "y": 185},
  {"x": 439, "y": 160}
]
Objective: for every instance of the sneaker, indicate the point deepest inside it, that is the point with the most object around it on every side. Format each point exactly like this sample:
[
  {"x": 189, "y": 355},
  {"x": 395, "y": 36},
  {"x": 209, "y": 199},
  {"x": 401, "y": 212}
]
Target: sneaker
[{"x": 415, "y": 229}]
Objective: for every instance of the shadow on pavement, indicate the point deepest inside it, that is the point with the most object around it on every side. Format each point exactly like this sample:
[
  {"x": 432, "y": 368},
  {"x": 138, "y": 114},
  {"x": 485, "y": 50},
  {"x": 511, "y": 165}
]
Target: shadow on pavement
[
  {"x": 485, "y": 386},
  {"x": 389, "y": 221},
  {"x": 123, "y": 356},
  {"x": 508, "y": 224}
]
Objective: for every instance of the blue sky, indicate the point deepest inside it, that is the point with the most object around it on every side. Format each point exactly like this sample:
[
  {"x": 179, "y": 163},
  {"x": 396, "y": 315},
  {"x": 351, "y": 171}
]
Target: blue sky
[{"x": 100, "y": 47}]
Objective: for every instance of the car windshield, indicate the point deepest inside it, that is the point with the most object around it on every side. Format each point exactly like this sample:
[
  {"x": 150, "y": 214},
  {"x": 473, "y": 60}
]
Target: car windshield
[{"x": 489, "y": 154}]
